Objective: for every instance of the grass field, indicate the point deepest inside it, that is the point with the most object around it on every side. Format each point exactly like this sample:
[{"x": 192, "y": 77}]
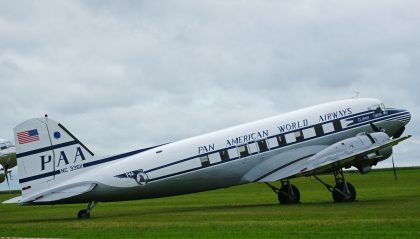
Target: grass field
[{"x": 385, "y": 209}]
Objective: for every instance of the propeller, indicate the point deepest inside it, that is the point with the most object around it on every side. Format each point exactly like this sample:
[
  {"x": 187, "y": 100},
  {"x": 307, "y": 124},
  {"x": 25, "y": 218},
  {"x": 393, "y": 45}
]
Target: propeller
[
  {"x": 398, "y": 133},
  {"x": 6, "y": 172},
  {"x": 375, "y": 128},
  {"x": 393, "y": 167},
  {"x": 395, "y": 136}
]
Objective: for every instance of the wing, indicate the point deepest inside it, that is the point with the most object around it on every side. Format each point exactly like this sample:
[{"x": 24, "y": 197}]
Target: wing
[{"x": 328, "y": 160}]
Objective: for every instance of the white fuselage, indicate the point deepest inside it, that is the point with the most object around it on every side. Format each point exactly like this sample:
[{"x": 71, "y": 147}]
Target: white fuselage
[{"x": 237, "y": 155}]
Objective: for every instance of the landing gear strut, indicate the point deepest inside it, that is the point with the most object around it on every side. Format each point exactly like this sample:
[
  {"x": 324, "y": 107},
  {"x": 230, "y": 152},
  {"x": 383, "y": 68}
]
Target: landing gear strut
[
  {"x": 85, "y": 213},
  {"x": 343, "y": 191},
  {"x": 287, "y": 193}
]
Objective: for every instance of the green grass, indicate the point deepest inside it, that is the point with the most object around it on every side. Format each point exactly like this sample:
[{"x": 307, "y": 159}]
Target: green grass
[{"x": 385, "y": 209}]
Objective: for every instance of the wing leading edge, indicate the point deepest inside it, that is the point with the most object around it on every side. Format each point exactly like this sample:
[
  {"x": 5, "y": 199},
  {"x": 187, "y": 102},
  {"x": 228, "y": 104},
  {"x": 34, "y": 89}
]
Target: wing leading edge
[{"x": 332, "y": 158}]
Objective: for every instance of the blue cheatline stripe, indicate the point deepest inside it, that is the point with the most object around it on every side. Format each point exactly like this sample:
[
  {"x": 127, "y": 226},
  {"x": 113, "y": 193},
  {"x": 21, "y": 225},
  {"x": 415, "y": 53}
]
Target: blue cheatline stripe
[
  {"x": 85, "y": 165},
  {"x": 175, "y": 174},
  {"x": 190, "y": 158},
  {"x": 40, "y": 150},
  {"x": 112, "y": 158},
  {"x": 289, "y": 144},
  {"x": 49, "y": 174},
  {"x": 389, "y": 116},
  {"x": 403, "y": 117},
  {"x": 119, "y": 156}
]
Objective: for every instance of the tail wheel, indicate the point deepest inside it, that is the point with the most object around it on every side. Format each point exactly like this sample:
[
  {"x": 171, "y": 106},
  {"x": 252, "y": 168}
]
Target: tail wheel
[
  {"x": 344, "y": 192},
  {"x": 289, "y": 194}
]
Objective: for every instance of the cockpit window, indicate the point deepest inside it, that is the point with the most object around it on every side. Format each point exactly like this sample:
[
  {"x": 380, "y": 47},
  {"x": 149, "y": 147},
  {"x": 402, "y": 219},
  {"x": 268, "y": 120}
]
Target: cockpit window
[
  {"x": 382, "y": 106},
  {"x": 377, "y": 108}
]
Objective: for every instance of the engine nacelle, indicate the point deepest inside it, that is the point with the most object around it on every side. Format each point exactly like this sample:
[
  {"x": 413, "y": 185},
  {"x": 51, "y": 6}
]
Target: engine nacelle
[{"x": 360, "y": 142}]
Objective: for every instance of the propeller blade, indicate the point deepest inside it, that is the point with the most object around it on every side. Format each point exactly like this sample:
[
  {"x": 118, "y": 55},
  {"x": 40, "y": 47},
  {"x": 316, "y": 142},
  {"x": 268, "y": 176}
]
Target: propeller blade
[
  {"x": 7, "y": 178},
  {"x": 374, "y": 127},
  {"x": 398, "y": 133},
  {"x": 393, "y": 167}
]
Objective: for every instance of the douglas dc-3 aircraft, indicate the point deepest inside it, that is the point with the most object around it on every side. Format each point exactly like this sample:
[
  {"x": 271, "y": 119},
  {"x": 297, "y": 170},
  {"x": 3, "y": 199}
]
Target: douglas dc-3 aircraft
[
  {"x": 55, "y": 167},
  {"x": 7, "y": 159}
]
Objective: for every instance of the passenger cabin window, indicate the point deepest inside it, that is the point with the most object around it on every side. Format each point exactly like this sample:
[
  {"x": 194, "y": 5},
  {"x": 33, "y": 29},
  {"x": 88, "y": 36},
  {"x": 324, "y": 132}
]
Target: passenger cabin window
[
  {"x": 309, "y": 133},
  {"x": 233, "y": 153},
  {"x": 272, "y": 143},
  {"x": 243, "y": 151},
  {"x": 299, "y": 135},
  {"x": 253, "y": 149},
  {"x": 290, "y": 138},
  {"x": 281, "y": 140},
  {"x": 214, "y": 158},
  {"x": 262, "y": 145},
  {"x": 319, "y": 130},
  {"x": 224, "y": 155},
  {"x": 205, "y": 161},
  {"x": 328, "y": 128}
]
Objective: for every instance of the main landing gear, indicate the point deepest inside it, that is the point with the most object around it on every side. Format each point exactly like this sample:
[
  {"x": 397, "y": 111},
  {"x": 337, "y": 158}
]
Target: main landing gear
[
  {"x": 85, "y": 213},
  {"x": 343, "y": 191},
  {"x": 287, "y": 193}
]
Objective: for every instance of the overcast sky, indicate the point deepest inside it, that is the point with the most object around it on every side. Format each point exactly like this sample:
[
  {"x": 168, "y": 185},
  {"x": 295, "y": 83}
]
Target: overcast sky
[{"x": 122, "y": 75}]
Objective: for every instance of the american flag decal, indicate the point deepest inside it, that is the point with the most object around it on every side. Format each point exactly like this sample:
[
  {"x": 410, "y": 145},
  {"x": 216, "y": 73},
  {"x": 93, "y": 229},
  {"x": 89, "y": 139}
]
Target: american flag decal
[{"x": 28, "y": 136}]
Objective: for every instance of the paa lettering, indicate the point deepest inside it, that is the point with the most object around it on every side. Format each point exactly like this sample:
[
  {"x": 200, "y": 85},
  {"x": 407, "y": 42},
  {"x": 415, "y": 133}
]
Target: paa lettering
[
  {"x": 63, "y": 159},
  {"x": 205, "y": 148}
]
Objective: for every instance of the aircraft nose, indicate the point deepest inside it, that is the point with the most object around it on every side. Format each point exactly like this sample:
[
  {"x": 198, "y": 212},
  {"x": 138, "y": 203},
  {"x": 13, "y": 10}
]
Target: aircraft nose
[
  {"x": 406, "y": 117},
  {"x": 403, "y": 116}
]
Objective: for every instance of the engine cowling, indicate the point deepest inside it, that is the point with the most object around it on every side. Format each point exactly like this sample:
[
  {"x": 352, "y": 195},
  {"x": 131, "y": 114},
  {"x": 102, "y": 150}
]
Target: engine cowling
[
  {"x": 362, "y": 142},
  {"x": 365, "y": 164}
]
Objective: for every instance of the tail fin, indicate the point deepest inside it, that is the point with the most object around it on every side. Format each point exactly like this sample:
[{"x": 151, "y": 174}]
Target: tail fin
[{"x": 47, "y": 153}]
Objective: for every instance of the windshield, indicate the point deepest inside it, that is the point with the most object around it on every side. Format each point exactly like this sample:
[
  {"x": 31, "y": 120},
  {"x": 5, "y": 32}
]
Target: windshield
[{"x": 377, "y": 108}]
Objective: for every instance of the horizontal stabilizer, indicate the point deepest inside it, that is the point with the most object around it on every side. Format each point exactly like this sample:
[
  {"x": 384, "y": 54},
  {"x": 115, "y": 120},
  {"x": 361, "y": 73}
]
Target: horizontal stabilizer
[
  {"x": 12, "y": 200},
  {"x": 59, "y": 193},
  {"x": 66, "y": 193}
]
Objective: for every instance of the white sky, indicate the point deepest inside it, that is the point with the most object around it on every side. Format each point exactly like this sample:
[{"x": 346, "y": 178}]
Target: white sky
[{"x": 122, "y": 75}]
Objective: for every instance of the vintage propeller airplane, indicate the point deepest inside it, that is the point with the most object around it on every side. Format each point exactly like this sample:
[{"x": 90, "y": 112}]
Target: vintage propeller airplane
[
  {"x": 7, "y": 160},
  {"x": 55, "y": 167}
]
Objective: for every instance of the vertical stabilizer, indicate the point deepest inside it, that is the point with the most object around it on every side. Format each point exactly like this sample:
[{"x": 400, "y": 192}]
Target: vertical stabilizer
[{"x": 47, "y": 153}]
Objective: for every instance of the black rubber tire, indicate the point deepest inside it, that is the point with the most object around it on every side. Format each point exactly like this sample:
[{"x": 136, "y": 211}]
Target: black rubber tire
[
  {"x": 83, "y": 214},
  {"x": 286, "y": 198},
  {"x": 338, "y": 197}
]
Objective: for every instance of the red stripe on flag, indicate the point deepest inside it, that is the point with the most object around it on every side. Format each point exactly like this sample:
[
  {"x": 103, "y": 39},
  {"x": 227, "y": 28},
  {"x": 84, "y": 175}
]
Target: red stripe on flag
[{"x": 24, "y": 137}]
